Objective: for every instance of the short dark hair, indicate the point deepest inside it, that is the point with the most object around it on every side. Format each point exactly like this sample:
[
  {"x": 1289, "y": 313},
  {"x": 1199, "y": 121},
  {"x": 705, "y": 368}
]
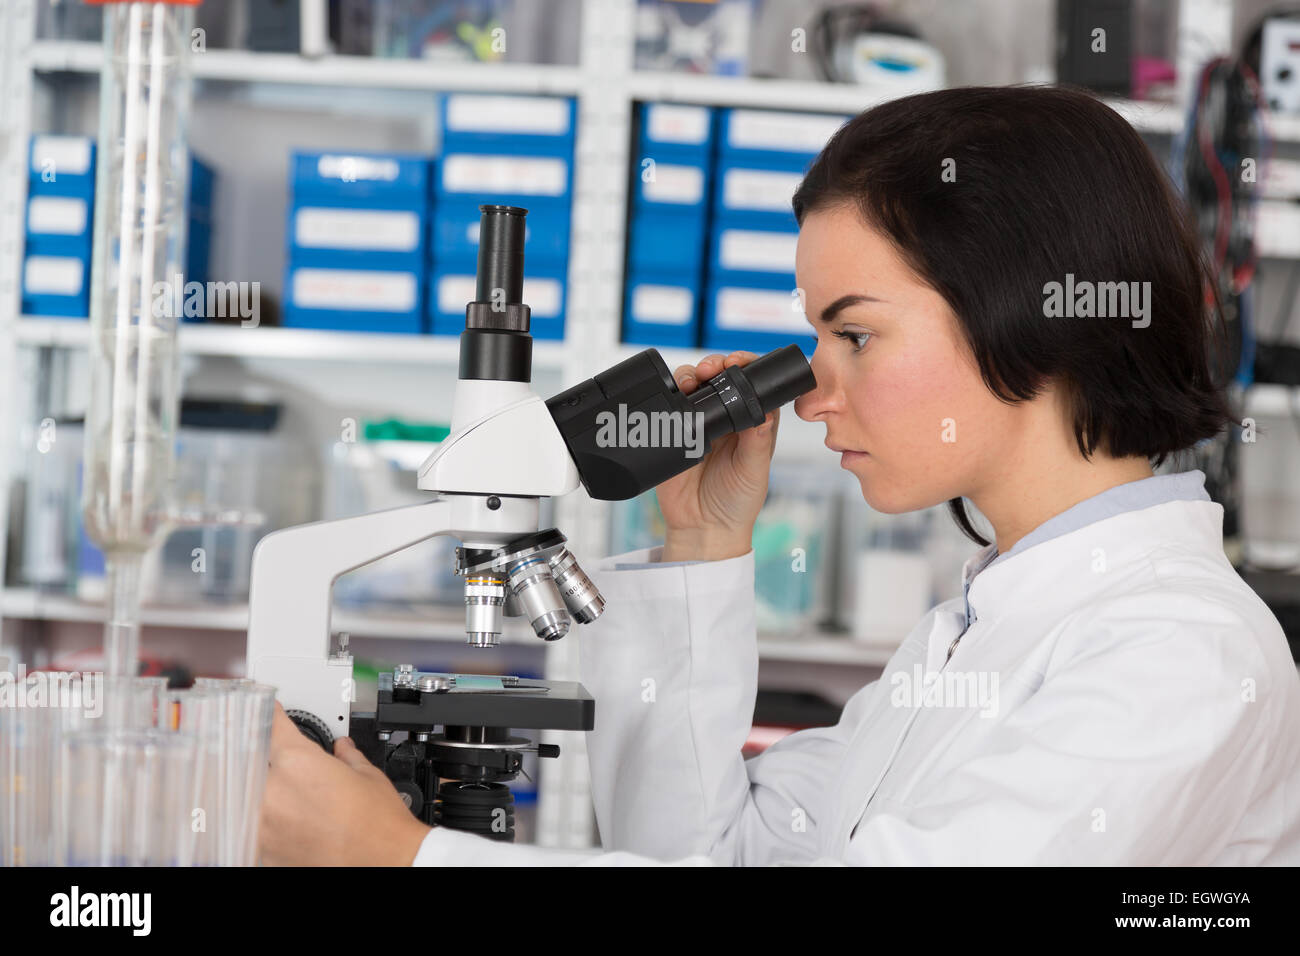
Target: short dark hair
[{"x": 990, "y": 193}]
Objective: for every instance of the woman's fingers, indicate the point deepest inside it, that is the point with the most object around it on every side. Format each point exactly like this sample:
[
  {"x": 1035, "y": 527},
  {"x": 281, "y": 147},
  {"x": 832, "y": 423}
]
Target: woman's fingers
[{"x": 688, "y": 377}]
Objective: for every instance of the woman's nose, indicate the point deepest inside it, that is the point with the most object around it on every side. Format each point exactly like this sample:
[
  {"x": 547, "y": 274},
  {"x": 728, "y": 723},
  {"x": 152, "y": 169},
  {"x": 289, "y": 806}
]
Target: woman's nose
[{"x": 810, "y": 405}]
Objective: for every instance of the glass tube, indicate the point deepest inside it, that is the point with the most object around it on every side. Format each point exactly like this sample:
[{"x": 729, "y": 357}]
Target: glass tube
[
  {"x": 123, "y": 772},
  {"x": 141, "y": 192},
  {"x": 126, "y": 799},
  {"x": 232, "y": 723},
  {"x": 54, "y": 706}
]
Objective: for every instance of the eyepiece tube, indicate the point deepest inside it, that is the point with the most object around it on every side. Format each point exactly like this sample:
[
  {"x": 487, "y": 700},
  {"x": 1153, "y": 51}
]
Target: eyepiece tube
[
  {"x": 779, "y": 376},
  {"x": 501, "y": 254},
  {"x": 495, "y": 344},
  {"x": 630, "y": 428}
]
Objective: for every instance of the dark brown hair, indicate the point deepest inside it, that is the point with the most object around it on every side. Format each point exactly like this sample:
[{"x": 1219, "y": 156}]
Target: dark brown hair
[{"x": 1042, "y": 182}]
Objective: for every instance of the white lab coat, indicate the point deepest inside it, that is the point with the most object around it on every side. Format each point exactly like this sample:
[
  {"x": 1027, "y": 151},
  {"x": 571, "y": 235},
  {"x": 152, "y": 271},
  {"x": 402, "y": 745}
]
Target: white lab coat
[{"x": 1146, "y": 711}]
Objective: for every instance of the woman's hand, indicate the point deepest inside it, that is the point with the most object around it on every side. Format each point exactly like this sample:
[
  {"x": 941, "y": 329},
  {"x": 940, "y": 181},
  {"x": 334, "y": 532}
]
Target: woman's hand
[
  {"x": 710, "y": 508},
  {"x": 320, "y": 810}
]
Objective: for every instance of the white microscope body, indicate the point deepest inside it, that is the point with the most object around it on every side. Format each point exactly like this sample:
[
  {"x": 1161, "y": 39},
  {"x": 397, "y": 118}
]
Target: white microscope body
[{"x": 488, "y": 476}]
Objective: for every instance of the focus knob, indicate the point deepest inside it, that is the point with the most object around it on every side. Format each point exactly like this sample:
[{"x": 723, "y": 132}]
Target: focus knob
[{"x": 313, "y": 728}]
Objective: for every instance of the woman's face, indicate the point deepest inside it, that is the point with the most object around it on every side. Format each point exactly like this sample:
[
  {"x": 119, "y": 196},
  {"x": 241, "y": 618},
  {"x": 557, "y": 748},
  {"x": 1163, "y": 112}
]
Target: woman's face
[{"x": 897, "y": 388}]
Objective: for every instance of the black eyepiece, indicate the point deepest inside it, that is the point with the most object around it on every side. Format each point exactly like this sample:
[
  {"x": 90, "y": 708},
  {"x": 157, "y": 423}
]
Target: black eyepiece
[
  {"x": 630, "y": 428},
  {"x": 495, "y": 343}
]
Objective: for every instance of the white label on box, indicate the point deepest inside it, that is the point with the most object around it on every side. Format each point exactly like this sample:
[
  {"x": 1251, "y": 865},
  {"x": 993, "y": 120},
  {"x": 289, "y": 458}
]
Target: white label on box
[
  {"x": 354, "y": 289},
  {"x": 357, "y": 168},
  {"x": 57, "y": 215},
  {"x": 676, "y": 184},
  {"x": 472, "y": 173},
  {"x": 759, "y": 189},
  {"x": 663, "y": 304},
  {"x": 670, "y": 123},
  {"x": 54, "y": 275},
  {"x": 1277, "y": 229},
  {"x": 61, "y": 154},
  {"x": 759, "y": 310},
  {"x": 787, "y": 132},
  {"x": 541, "y": 115},
  {"x": 1281, "y": 178},
  {"x": 319, "y": 227},
  {"x": 542, "y": 296},
  {"x": 757, "y": 251},
  {"x": 455, "y": 292}
]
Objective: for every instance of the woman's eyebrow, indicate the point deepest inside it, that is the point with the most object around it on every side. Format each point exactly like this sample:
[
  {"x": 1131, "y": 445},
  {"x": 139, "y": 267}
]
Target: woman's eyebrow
[{"x": 843, "y": 302}]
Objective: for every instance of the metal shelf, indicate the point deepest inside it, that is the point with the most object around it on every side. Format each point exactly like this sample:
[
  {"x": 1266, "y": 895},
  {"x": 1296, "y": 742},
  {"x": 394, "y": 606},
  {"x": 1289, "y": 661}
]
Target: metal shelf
[
  {"x": 244, "y": 66},
  {"x": 280, "y": 343},
  {"x": 424, "y": 622},
  {"x": 428, "y": 622}
]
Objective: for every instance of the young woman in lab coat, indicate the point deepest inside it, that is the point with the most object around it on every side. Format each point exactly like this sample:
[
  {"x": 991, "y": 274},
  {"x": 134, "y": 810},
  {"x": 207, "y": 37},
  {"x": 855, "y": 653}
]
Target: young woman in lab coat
[{"x": 1106, "y": 691}]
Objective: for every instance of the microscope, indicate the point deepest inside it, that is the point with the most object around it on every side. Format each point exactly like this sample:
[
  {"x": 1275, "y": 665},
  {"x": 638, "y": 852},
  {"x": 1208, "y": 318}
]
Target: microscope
[{"x": 447, "y": 741}]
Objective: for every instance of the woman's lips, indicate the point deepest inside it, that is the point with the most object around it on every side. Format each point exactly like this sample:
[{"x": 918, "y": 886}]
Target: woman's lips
[{"x": 847, "y": 456}]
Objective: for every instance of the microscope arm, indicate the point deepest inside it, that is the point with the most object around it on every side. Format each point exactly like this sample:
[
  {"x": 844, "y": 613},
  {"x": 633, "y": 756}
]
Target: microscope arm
[{"x": 293, "y": 576}]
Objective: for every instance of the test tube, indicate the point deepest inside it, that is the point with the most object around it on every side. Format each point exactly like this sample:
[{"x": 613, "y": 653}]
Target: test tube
[
  {"x": 232, "y": 723},
  {"x": 41, "y": 710},
  {"x": 126, "y": 797}
]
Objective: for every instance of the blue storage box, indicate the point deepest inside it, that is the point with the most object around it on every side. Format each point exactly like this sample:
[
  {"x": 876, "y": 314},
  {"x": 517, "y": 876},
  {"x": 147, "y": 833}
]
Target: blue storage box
[
  {"x": 61, "y": 166},
  {"x": 757, "y": 316},
  {"x": 673, "y": 129},
  {"x": 741, "y": 252},
  {"x": 758, "y": 193},
  {"x": 198, "y": 250},
  {"x": 661, "y": 309},
  {"x": 201, "y": 182},
  {"x": 667, "y": 242},
  {"x": 356, "y": 235},
  {"x": 489, "y": 122},
  {"x": 318, "y": 296},
  {"x": 667, "y": 182},
  {"x": 749, "y": 135},
  {"x": 500, "y": 176},
  {"x": 56, "y": 286},
  {"x": 451, "y": 287},
  {"x": 59, "y": 225},
  {"x": 546, "y": 232},
  {"x": 390, "y": 180}
]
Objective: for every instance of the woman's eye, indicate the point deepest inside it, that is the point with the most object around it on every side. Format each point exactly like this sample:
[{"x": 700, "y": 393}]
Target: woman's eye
[{"x": 859, "y": 339}]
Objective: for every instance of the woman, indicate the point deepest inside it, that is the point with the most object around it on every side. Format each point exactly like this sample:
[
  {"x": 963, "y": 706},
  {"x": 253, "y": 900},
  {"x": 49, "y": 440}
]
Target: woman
[{"x": 1009, "y": 309}]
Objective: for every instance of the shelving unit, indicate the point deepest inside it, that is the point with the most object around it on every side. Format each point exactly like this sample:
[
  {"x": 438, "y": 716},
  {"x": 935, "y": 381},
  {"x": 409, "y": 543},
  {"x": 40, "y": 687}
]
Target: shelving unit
[
  {"x": 605, "y": 85},
  {"x": 288, "y": 344},
  {"x": 423, "y": 622}
]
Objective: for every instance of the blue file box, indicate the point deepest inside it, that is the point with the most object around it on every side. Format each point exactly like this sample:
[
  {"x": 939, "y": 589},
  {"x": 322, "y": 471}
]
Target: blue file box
[
  {"x": 662, "y": 309},
  {"x": 757, "y": 316}
]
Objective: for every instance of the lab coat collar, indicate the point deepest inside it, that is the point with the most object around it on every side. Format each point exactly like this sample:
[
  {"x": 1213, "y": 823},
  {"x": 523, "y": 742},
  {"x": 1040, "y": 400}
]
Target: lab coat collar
[{"x": 1068, "y": 571}]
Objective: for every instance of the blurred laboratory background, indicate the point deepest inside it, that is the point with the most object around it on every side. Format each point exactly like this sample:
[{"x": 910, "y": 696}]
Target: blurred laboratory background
[{"x": 339, "y": 152}]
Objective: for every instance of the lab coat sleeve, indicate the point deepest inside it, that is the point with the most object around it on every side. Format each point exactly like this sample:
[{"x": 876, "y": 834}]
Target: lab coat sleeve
[
  {"x": 1141, "y": 748},
  {"x": 673, "y": 666}
]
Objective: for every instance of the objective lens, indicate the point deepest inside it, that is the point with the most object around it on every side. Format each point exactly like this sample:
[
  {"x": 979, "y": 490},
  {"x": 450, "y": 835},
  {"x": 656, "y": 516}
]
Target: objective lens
[
  {"x": 580, "y": 595},
  {"x": 484, "y": 597},
  {"x": 539, "y": 599}
]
